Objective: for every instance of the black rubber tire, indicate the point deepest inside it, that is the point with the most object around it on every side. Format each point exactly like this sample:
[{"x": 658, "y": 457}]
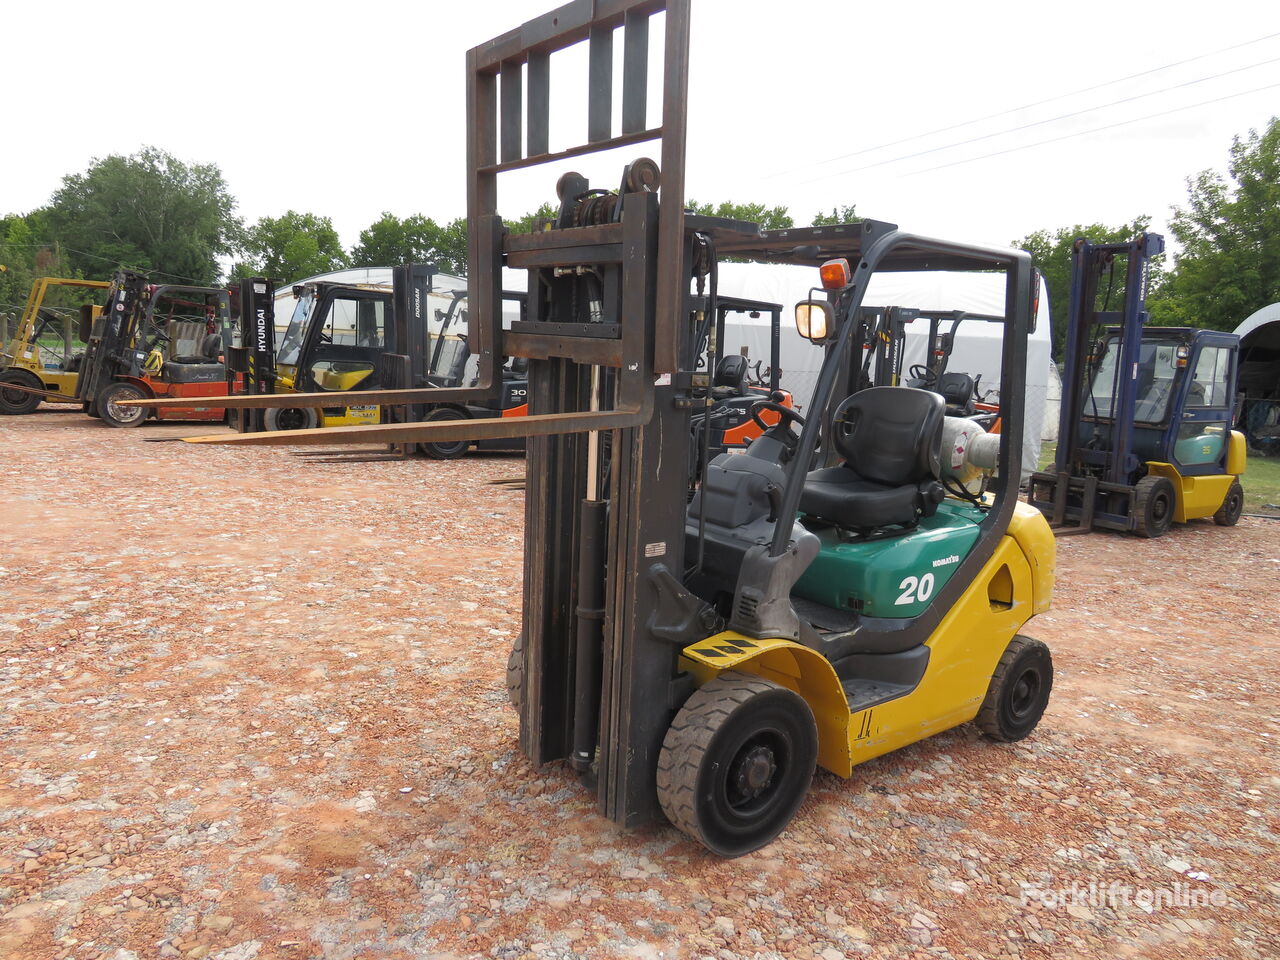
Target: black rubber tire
[
  {"x": 515, "y": 672},
  {"x": 121, "y": 416},
  {"x": 290, "y": 418},
  {"x": 445, "y": 451},
  {"x": 1228, "y": 514},
  {"x": 736, "y": 762},
  {"x": 17, "y": 402},
  {"x": 1019, "y": 691},
  {"x": 1154, "y": 500}
]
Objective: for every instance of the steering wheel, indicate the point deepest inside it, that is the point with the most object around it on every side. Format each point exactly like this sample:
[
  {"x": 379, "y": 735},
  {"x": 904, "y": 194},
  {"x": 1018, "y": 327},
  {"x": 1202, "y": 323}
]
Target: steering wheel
[
  {"x": 919, "y": 371},
  {"x": 155, "y": 332},
  {"x": 789, "y": 416}
]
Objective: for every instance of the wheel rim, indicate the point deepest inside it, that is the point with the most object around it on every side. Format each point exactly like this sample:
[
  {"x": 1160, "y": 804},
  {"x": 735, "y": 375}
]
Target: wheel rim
[
  {"x": 292, "y": 419},
  {"x": 11, "y": 396},
  {"x": 123, "y": 414},
  {"x": 1024, "y": 693},
  {"x": 448, "y": 449},
  {"x": 1159, "y": 508},
  {"x": 751, "y": 787}
]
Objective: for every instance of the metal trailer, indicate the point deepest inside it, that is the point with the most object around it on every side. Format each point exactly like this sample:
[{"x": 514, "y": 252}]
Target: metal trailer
[{"x": 1144, "y": 436}]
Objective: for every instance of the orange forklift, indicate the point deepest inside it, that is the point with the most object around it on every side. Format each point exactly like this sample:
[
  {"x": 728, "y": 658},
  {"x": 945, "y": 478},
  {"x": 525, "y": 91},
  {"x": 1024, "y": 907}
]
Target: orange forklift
[{"x": 156, "y": 341}]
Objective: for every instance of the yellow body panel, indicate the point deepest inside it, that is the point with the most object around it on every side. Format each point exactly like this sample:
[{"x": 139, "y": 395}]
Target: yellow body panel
[
  {"x": 1197, "y": 496},
  {"x": 368, "y": 413},
  {"x": 341, "y": 379},
  {"x": 1237, "y": 455},
  {"x": 1014, "y": 584}
]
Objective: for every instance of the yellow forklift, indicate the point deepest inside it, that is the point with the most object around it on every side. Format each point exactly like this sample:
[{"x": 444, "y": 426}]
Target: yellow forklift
[
  {"x": 41, "y": 361},
  {"x": 856, "y": 580},
  {"x": 1145, "y": 434}
]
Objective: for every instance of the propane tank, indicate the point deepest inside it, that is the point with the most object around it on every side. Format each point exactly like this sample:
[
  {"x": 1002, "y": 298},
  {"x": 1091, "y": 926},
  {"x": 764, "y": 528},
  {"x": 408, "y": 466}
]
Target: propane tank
[{"x": 969, "y": 453}]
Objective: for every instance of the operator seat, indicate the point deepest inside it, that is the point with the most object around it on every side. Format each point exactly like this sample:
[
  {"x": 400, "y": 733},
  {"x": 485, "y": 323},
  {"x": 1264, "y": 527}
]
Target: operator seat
[
  {"x": 730, "y": 377},
  {"x": 891, "y": 441},
  {"x": 957, "y": 392}
]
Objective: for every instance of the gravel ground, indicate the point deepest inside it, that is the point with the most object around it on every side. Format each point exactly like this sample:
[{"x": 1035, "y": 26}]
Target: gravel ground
[{"x": 254, "y": 707}]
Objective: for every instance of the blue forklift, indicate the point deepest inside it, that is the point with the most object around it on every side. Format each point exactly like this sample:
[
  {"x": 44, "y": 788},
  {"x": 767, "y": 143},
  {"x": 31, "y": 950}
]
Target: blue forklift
[{"x": 1144, "y": 435}]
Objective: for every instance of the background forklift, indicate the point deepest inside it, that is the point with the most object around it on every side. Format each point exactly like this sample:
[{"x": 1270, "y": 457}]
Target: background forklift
[
  {"x": 155, "y": 341},
  {"x": 41, "y": 361},
  {"x": 1145, "y": 434},
  {"x": 697, "y": 661}
]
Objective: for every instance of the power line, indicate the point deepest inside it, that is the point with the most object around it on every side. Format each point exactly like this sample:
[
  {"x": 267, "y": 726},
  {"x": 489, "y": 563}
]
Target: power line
[
  {"x": 1028, "y": 106},
  {"x": 54, "y": 244},
  {"x": 1040, "y": 123},
  {"x": 1085, "y": 133}
]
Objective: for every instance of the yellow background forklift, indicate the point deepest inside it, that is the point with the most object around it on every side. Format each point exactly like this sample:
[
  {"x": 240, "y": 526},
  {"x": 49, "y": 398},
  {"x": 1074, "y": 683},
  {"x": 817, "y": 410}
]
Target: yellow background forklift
[{"x": 41, "y": 361}]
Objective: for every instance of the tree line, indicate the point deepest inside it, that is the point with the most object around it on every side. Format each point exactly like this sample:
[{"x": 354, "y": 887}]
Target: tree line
[{"x": 155, "y": 213}]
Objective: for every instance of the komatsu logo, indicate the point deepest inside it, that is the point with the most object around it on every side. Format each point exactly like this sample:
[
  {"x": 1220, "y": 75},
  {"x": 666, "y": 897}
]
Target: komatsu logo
[{"x": 946, "y": 560}]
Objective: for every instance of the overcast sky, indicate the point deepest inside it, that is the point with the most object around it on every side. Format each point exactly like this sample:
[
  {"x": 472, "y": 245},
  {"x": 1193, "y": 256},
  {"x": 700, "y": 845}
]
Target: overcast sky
[{"x": 347, "y": 110}]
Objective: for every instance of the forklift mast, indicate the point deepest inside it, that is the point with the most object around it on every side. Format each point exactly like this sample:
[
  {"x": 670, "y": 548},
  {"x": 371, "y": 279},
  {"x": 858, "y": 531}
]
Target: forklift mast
[{"x": 1117, "y": 463}]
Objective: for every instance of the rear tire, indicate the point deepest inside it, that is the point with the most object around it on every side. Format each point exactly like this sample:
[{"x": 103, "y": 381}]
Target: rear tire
[
  {"x": 1154, "y": 500},
  {"x": 113, "y": 414},
  {"x": 1019, "y": 691},
  {"x": 736, "y": 762},
  {"x": 18, "y": 402},
  {"x": 290, "y": 418},
  {"x": 445, "y": 451},
  {"x": 1228, "y": 514}
]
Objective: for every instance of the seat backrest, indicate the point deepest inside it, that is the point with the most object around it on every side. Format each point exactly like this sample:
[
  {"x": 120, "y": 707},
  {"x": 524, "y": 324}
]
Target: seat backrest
[
  {"x": 891, "y": 435},
  {"x": 211, "y": 347},
  {"x": 731, "y": 371},
  {"x": 956, "y": 388}
]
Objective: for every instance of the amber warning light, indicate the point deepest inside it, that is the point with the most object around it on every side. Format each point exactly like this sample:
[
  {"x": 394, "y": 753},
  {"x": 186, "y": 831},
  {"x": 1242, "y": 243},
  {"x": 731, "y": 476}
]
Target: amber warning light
[{"x": 835, "y": 274}]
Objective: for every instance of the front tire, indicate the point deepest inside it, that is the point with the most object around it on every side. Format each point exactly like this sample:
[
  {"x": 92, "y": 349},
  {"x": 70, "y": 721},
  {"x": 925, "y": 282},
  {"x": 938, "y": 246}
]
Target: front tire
[
  {"x": 445, "y": 451},
  {"x": 1154, "y": 499},
  {"x": 110, "y": 411},
  {"x": 290, "y": 418},
  {"x": 18, "y": 402},
  {"x": 736, "y": 762},
  {"x": 1019, "y": 691},
  {"x": 1228, "y": 514}
]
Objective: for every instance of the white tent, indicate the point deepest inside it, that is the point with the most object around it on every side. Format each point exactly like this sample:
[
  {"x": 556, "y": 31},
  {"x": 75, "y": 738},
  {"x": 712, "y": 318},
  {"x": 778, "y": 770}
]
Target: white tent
[{"x": 977, "y": 343}]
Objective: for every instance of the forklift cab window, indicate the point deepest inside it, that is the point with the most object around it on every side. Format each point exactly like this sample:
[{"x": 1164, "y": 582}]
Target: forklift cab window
[
  {"x": 356, "y": 323},
  {"x": 291, "y": 342},
  {"x": 1156, "y": 370},
  {"x": 1209, "y": 380}
]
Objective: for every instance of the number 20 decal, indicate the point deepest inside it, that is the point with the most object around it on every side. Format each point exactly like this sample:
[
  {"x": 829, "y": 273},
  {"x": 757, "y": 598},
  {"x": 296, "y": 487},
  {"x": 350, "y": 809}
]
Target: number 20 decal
[{"x": 915, "y": 589}]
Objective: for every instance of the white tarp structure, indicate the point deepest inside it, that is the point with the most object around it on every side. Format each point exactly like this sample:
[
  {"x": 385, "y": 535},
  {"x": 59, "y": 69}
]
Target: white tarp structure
[{"x": 977, "y": 342}]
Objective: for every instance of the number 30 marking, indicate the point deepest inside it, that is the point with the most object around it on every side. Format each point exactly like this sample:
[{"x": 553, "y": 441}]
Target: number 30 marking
[{"x": 915, "y": 590}]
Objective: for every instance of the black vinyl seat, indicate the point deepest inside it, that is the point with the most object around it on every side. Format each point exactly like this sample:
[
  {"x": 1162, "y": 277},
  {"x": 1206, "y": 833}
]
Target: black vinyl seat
[
  {"x": 891, "y": 439},
  {"x": 957, "y": 391},
  {"x": 730, "y": 377}
]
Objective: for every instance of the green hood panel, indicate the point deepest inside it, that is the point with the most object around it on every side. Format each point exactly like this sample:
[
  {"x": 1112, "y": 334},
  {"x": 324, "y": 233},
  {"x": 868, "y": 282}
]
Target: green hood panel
[{"x": 893, "y": 576}]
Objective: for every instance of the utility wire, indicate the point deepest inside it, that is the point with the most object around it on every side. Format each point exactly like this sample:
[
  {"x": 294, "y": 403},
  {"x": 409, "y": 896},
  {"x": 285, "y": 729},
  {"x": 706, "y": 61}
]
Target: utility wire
[
  {"x": 1085, "y": 133},
  {"x": 1028, "y": 106},
  {"x": 1040, "y": 123},
  {"x": 49, "y": 244}
]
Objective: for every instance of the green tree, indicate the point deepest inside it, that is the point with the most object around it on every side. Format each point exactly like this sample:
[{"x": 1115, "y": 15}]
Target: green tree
[
  {"x": 1229, "y": 265},
  {"x": 415, "y": 239},
  {"x": 291, "y": 246},
  {"x": 1051, "y": 253},
  {"x": 150, "y": 211},
  {"x": 840, "y": 214},
  {"x": 771, "y": 218}
]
